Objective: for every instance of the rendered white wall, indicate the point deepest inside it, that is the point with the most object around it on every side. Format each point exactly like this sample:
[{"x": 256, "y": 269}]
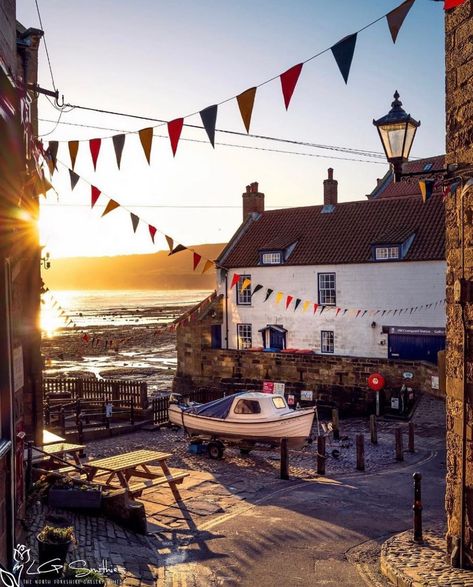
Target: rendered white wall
[{"x": 388, "y": 285}]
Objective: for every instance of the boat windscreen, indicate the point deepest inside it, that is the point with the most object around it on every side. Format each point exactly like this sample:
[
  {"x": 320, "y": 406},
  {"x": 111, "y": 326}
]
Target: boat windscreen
[{"x": 218, "y": 408}]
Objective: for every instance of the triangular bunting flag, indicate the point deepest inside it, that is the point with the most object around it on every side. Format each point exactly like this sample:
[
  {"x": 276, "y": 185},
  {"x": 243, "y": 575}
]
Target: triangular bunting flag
[
  {"x": 209, "y": 120},
  {"x": 235, "y": 280},
  {"x": 177, "y": 249},
  {"x": 94, "y": 195},
  {"x": 338, "y": 311},
  {"x": 246, "y": 102},
  {"x": 451, "y": 189},
  {"x": 246, "y": 283},
  {"x": 315, "y": 307},
  {"x": 322, "y": 310},
  {"x": 134, "y": 221},
  {"x": 305, "y": 305},
  {"x": 94, "y": 145},
  {"x": 174, "y": 130},
  {"x": 170, "y": 242},
  {"x": 146, "y": 138},
  {"x": 279, "y": 297},
  {"x": 196, "y": 260},
  {"x": 396, "y": 17},
  {"x": 345, "y": 311},
  {"x": 364, "y": 313},
  {"x": 73, "y": 150},
  {"x": 52, "y": 150},
  {"x": 152, "y": 231},
  {"x": 74, "y": 179},
  {"x": 288, "y": 301},
  {"x": 257, "y": 288},
  {"x": 207, "y": 266},
  {"x": 288, "y": 82},
  {"x": 426, "y": 188},
  {"x": 118, "y": 144},
  {"x": 268, "y": 294},
  {"x": 343, "y": 53},
  {"x": 452, "y": 4},
  {"x": 296, "y": 305},
  {"x": 112, "y": 205}
]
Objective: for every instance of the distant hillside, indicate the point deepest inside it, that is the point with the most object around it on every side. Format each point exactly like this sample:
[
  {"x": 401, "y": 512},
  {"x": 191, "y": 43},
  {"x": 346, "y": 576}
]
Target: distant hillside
[{"x": 153, "y": 271}]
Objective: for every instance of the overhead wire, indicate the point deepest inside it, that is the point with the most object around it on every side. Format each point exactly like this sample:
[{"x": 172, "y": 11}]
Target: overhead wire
[{"x": 45, "y": 45}]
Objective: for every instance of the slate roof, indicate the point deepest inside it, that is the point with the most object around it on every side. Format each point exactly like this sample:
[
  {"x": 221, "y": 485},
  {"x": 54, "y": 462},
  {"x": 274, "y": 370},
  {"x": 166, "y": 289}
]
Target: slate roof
[{"x": 343, "y": 236}]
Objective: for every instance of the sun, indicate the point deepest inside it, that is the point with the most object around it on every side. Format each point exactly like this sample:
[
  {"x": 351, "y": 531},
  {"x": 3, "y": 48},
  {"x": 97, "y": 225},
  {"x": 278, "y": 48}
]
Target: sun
[{"x": 50, "y": 318}]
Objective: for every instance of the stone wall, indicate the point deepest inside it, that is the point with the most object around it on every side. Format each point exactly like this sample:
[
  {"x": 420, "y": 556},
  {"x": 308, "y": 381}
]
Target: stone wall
[{"x": 459, "y": 243}]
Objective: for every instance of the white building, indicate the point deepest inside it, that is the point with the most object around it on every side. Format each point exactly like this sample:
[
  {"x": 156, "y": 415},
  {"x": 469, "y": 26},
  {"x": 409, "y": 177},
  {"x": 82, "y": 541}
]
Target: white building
[{"x": 359, "y": 279}]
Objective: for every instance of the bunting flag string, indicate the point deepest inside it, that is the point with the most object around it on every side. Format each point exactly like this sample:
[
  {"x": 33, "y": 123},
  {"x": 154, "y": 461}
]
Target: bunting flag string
[
  {"x": 426, "y": 188},
  {"x": 343, "y": 52}
]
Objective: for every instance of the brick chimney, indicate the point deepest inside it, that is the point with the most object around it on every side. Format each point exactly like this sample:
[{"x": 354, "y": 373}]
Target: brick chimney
[
  {"x": 253, "y": 200},
  {"x": 330, "y": 189}
]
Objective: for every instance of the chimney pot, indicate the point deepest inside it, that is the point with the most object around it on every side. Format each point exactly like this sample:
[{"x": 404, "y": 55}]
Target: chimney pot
[
  {"x": 330, "y": 173},
  {"x": 330, "y": 189},
  {"x": 253, "y": 200}
]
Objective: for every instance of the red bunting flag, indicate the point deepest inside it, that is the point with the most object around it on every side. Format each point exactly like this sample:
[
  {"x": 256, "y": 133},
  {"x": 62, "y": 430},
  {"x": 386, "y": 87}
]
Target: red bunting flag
[
  {"x": 152, "y": 232},
  {"x": 94, "y": 145},
  {"x": 452, "y": 4},
  {"x": 288, "y": 82},
  {"x": 196, "y": 260},
  {"x": 86, "y": 338},
  {"x": 94, "y": 195},
  {"x": 235, "y": 280},
  {"x": 288, "y": 301},
  {"x": 358, "y": 313},
  {"x": 338, "y": 311},
  {"x": 315, "y": 307},
  {"x": 174, "y": 130}
]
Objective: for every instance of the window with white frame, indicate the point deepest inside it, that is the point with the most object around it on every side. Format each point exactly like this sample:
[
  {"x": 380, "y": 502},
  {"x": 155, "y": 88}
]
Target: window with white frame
[
  {"x": 243, "y": 296},
  {"x": 327, "y": 292},
  {"x": 383, "y": 253},
  {"x": 327, "y": 341},
  {"x": 274, "y": 258},
  {"x": 244, "y": 334}
]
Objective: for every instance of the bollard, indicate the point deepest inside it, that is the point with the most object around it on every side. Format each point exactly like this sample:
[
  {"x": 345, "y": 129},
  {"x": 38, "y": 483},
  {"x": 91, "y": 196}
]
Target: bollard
[
  {"x": 398, "y": 439},
  {"x": 284, "y": 459},
  {"x": 360, "y": 452},
  {"x": 411, "y": 437},
  {"x": 417, "y": 508},
  {"x": 321, "y": 455},
  {"x": 335, "y": 424},
  {"x": 373, "y": 429}
]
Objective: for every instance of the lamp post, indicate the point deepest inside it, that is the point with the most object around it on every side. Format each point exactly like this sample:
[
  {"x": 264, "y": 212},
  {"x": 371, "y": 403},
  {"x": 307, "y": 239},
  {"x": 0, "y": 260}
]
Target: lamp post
[{"x": 397, "y": 130}]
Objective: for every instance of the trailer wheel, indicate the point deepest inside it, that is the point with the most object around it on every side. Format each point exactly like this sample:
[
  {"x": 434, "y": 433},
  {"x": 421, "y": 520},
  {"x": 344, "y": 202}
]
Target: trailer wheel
[{"x": 215, "y": 450}]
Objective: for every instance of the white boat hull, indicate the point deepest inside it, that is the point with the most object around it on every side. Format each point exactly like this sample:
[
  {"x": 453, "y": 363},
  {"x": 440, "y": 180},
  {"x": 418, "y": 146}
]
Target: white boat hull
[{"x": 296, "y": 426}]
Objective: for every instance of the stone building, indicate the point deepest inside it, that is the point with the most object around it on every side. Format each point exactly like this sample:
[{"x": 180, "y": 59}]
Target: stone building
[
  {"x": 20, "y": 181},
  {"x": 459, "y": 250}
]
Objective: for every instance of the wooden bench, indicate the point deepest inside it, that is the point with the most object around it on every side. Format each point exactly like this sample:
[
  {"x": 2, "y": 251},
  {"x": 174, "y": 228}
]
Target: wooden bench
[{"x": 138, "y": 488}]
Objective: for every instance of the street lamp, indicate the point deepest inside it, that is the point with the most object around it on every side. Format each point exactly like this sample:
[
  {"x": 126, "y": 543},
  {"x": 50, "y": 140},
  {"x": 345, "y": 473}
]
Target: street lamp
[{"x": 397, "y": 130}]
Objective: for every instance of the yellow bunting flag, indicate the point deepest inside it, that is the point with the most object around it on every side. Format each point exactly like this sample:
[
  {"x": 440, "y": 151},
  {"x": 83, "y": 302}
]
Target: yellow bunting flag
[
  {"x": 112, "y": 205},
  {"x": 207, "y": 266},
  {"x": 279, "y": 297},
  {"x": 146, "y": 138},
  {"x": 73, "y": 150},
  {"x": 305, "y": 305},
  {"x": 246, "y": 102},
  {"x": 246, "y": 283}
]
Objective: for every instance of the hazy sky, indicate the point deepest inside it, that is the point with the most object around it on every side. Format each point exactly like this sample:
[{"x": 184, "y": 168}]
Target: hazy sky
[{"x": 169, "y": 59}]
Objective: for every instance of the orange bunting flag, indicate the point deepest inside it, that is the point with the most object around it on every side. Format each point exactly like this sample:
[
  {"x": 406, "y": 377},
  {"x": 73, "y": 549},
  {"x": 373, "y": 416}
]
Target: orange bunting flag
[
  {"x": 112, "y": 205},
  {"x": 207, "y": 266},
  {"x": 315, "y": 307},
  {"x": 196, "y": 260},
  {"x": 134, "y": 221},
  {"x": 95, "y": 195},
  {"x": 279, "y": 297},
  {"x": 94, "y": 145},
  {"x": 146, "y": 138},
  {"x": 288, "y": 82},
  {"x": 246, "y": 102},
  {"x": 288, "y": 301},
  {"x": 73, "y": 150},
  {"x": 170, "y": 242},
  {"x": 118, "y": 144},
  {"x": 235, "y": 280},
  {"x": 152, "y": 231},
  {"x": 246, "y": 283},
  {"x": 174, "y": 130}
]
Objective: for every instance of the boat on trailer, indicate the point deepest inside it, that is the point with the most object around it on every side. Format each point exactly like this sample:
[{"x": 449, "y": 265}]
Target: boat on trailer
[{"x": 244, "y": 418}]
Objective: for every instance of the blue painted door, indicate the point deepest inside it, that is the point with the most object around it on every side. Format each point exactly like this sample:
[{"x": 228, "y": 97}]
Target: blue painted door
[
  {"x": 276, "y": 339},
  {"x": 415, "y": 348},
  {"x": 216, "y": 336}
]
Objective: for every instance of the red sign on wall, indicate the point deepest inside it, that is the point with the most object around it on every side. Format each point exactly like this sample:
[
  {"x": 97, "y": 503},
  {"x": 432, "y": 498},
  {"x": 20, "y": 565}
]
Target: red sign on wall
[{"x": 268, "y": 387}]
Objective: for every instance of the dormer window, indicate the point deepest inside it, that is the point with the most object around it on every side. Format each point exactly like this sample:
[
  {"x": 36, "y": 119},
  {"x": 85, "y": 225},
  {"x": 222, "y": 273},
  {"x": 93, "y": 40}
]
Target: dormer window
[
  {"x": 393, "y": 245},
  {"x": 271, "y": 258},
  {"x": 386, "y": 253}
]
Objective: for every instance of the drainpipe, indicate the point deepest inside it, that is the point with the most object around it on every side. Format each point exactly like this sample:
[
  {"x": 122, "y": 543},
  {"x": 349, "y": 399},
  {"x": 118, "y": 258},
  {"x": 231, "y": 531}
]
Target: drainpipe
[
  {"x": 464, "y": 375},
  {"x": 226, "y": 309}
]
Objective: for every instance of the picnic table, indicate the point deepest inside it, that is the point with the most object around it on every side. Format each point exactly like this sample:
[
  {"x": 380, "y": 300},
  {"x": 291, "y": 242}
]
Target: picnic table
[
  {"x": 134, "y": 464},
  {"x": 59, "y": 449}
]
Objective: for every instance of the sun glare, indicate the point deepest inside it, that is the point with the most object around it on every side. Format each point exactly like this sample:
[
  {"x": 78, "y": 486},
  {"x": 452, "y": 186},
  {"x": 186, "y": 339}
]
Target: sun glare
[{"x": 50, "y": 319}]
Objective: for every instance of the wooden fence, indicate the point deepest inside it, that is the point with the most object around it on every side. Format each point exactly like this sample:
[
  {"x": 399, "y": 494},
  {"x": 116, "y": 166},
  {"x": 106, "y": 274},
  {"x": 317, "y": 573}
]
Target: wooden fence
[
  {"x": 160, "y": 405},
  {"x": 122, "y": 393}
]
